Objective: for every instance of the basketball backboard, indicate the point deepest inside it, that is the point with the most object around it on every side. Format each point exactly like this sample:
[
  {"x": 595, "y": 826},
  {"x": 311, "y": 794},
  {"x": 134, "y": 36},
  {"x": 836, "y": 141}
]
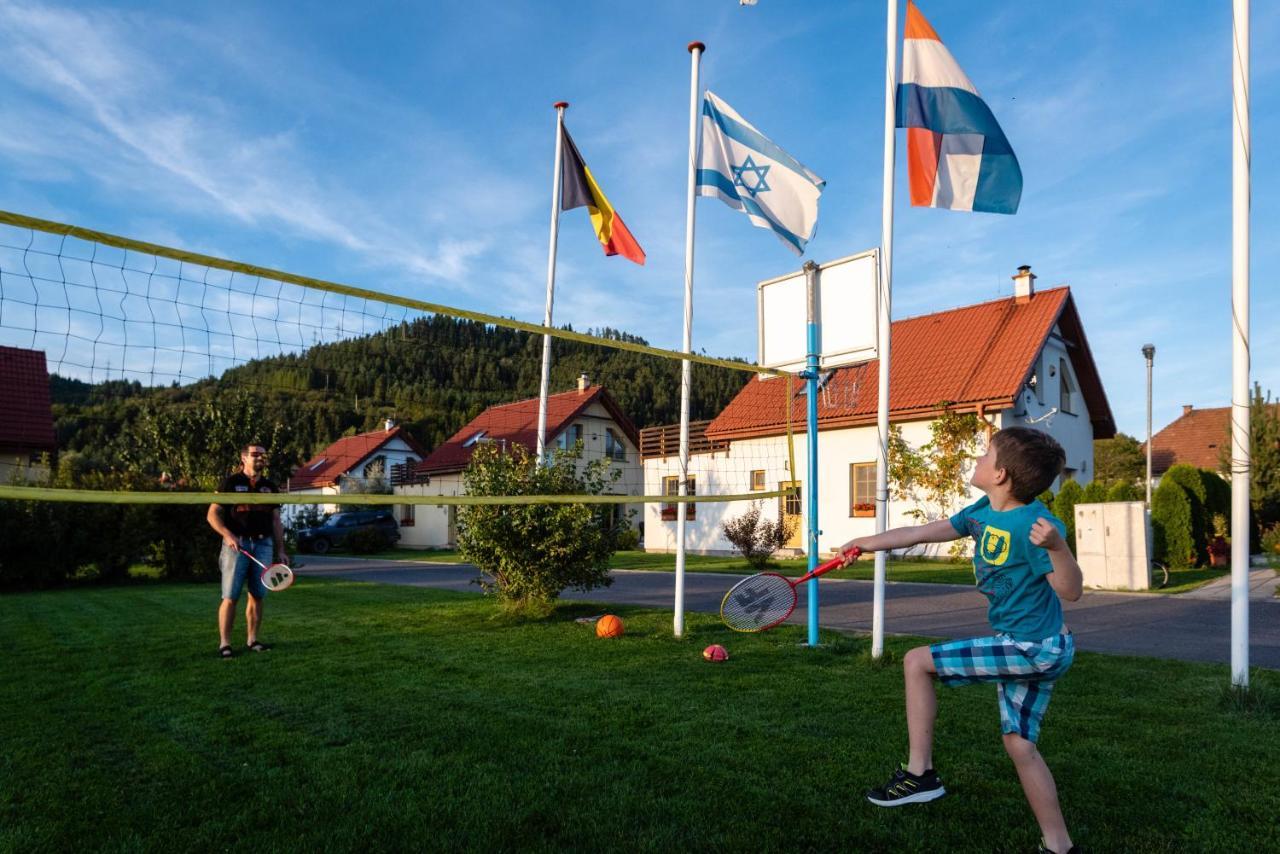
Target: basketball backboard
[{"x": 847, "y": 316}]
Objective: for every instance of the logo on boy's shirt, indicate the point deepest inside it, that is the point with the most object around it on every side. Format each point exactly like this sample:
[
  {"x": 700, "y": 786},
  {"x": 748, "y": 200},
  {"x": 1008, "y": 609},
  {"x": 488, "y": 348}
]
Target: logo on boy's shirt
[{"x": 994, "y": 546}]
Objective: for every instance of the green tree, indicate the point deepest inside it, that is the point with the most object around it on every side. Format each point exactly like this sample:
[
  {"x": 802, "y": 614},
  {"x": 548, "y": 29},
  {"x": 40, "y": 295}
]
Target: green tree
[
  {"x": 1064, "y": 507},
  {"x": 1124, "y": 491},
  {"x": 1188, "y": 477},
  {"x": 531, "y": 553},
  {"x": 1264, "y": 458},
  {"x": 1120, "y": 458},
  {"x": 1171, "y": 515},
  {"x": 933, "y": 477},
  {"x": 1094, "y": 493}
]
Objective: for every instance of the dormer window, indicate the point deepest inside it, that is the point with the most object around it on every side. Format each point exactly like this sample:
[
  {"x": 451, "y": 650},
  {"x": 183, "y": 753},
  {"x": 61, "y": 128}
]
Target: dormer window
[
  {"x": 317, "y": 464},
  {"x": 478, "y": 437}
]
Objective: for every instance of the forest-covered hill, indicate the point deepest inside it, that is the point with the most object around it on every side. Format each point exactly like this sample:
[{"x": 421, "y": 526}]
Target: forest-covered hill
[{"x": 431, "y": 375}]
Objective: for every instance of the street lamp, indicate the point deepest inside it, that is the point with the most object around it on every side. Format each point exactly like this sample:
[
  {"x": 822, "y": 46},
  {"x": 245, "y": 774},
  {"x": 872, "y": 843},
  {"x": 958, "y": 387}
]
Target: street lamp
[{"x": 1149, "y": 351}]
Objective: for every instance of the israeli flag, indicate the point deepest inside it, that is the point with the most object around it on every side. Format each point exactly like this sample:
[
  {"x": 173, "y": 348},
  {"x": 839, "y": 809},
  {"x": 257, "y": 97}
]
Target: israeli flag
[{"x": 748, "y": 172}]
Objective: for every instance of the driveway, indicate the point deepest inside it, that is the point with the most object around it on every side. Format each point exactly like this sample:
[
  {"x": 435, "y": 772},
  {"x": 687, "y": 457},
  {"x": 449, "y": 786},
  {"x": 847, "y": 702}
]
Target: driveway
[{"x": 1162, "y": 626}]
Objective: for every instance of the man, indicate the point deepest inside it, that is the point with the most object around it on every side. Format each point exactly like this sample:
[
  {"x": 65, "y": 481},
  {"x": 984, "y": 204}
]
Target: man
[{"x": 257, "y": 529}]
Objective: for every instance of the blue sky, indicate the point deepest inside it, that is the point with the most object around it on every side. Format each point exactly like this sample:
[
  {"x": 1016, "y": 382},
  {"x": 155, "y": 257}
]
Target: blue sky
[{"x": 408, "y": 148}]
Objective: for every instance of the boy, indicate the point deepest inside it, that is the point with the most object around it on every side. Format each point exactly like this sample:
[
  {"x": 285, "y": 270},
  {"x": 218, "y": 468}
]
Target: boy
[{"x": 1022, "y": 565}]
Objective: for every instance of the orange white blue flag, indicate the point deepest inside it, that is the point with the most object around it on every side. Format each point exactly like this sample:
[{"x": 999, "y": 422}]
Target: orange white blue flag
[{"x": 957, "y": 155}]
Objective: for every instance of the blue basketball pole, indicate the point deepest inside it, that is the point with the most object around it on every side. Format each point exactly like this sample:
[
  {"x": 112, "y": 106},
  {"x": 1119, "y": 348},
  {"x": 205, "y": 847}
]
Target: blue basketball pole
[{"x": 811, "y": 386}]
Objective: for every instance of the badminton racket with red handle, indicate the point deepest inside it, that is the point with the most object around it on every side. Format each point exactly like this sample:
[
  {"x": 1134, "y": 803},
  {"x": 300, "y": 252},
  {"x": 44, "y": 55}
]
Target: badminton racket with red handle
[
  {"x": 276, "y": 577},
  {"x": 765, "y": 600}
]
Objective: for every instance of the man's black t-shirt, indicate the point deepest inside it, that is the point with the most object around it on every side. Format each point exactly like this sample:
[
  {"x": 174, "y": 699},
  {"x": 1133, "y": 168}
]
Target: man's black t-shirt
[{"x": 248, "y": 520}]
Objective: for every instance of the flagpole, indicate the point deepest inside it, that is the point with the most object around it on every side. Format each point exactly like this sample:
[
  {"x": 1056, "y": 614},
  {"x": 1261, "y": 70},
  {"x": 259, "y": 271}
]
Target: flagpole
[
  {"x": 1240, "y": 397},
  {"x": 696, "y": 50},
  {"x": 884, "y": 313},
  {"x": 560, "y": 106}
]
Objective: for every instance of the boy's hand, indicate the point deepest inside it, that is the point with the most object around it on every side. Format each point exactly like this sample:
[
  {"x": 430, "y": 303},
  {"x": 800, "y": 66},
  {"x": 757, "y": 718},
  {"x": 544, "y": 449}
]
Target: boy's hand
[
  {"x": 847, "y": 555},
  {"x": 1045, "y": 535}
]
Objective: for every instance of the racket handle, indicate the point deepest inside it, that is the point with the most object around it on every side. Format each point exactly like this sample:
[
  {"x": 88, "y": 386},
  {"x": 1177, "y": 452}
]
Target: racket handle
[
  {"x": 834, "y": 563},
  {"x": 250, "y": 556}
]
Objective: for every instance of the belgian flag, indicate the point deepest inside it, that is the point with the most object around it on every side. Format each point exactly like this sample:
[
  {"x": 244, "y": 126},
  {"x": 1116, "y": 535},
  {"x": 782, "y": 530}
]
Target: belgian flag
[{"x": 579, "y": 188}]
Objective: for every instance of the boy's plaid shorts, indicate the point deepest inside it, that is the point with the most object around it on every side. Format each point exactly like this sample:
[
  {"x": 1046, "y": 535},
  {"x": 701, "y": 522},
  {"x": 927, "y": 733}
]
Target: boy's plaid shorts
[{"x": 1024, "y": 673}]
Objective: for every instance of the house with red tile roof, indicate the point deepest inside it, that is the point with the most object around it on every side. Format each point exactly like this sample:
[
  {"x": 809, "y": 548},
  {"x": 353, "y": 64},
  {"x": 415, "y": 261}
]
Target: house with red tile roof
[
  {"x": 355, "y": 460},
  {"x": 587, "y": 414},
  {"x": 1196, "y": 438},
  {"x": 26, "y": 417},
  {"x": 1021, "y": 360}
]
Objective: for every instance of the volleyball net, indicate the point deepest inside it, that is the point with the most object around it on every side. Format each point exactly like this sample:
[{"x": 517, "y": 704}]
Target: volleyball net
[{"x": 162, "y": 363}]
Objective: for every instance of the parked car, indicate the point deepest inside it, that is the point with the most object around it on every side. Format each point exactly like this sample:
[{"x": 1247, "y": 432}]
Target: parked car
[{"x": 338, "y": 527}]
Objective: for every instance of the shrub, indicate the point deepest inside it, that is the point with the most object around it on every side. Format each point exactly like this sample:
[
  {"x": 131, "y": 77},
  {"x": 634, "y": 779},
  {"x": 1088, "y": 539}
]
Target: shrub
[
  {"x": 365, "y": 542},
  {"x": 1188, "y": 477},
  {"x": 629, "y": 540},
  {"x": 1046, "y": 498},
  {"x": 1064, "y": 507},
  {"x": 1123, "y": 491},
  {"x": 1171, "y": 514},
  {"x": 1094, "y": 493},
  {"x": 755, "y": 538},
  {"x": 1271, "y": 539},
  {"x": 531, "y": 553}
]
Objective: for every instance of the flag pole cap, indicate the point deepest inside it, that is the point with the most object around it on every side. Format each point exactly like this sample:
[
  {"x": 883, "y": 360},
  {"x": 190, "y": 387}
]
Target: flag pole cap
[
  {"x": 561, "y": 105},
  {"x": 697, "y": 46}
]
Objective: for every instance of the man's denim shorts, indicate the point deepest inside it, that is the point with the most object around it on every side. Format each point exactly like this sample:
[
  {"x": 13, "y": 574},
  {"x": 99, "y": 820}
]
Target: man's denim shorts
[{"x": 238, "y": 570}]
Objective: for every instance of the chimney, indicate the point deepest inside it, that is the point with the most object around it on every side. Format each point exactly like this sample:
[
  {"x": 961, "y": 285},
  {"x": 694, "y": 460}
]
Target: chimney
[
  {"x": 1024, "y": 284},
  {"x": 1187, "y": 407},
  {"x": 584, "y": 382},
  {"x": 389, "y": 424}
]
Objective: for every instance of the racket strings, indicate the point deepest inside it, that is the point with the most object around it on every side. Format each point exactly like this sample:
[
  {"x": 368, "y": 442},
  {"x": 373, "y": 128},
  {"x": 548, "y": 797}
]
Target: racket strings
[{"x": 758, "y": 602}]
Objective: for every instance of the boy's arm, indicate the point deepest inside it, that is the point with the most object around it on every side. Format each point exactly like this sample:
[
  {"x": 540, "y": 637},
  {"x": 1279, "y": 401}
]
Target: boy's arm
[
  {"x": 1066, "y": 579},
  {"x": 900, "y": 538}
]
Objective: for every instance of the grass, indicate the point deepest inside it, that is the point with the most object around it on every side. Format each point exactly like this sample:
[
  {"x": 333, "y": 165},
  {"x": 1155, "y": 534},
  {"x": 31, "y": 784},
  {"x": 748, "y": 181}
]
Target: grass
[{"x": 403, "y": 718}]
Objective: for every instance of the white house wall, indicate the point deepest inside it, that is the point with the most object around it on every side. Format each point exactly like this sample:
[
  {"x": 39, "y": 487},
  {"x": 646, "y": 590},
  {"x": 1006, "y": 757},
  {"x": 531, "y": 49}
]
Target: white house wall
[
  {"x": 1073, "y": 430},
  {"x": 722, "y": 473},
  {"x": 430, "y": 528}
]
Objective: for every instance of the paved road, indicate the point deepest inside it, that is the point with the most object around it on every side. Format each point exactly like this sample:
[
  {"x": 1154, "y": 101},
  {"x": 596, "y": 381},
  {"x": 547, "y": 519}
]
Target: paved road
[{"x": 1180, "y": 627}]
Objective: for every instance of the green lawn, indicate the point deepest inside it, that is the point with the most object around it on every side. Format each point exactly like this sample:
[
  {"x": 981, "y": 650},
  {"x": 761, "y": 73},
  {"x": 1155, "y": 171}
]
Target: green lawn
[{"x": 402, "y": 718}]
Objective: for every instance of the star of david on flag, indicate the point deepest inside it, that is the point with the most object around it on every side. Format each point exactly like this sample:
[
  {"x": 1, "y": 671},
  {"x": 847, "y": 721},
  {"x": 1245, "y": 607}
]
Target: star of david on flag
[{"x": 749, "y": 172}]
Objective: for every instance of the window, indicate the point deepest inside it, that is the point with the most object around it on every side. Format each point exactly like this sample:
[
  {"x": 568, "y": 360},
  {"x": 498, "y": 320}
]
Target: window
[
  {"x": 757, "y": 480},
  {"x": 671, "y": 486},
  {"x": 1067, "y": 386},
  {"x": 478, "y": 437},
  {"x": 569, "y": 437},
  {"x": 862, "y": 489},
  {"x": 613, "y": 447},
  {"x": 407, "y": 514}
]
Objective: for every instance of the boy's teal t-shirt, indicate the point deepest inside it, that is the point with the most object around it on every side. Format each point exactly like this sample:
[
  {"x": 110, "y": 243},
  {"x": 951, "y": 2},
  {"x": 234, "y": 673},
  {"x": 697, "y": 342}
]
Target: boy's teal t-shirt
[{"x": 1010, "y": 570}]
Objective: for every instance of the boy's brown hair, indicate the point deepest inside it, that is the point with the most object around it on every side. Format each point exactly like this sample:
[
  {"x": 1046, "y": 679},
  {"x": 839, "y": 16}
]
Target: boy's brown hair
[{"x": 1030, "y": 458}]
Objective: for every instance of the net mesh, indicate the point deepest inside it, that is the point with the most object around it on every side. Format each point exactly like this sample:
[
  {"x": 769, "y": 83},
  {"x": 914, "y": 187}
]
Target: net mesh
[{"x": 163, "y": 362}]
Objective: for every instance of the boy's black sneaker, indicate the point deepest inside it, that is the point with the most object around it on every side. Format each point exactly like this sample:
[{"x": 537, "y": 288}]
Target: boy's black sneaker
[
  {"x": 907, "y": 788},
  {"x": 1044, "y": 849}
]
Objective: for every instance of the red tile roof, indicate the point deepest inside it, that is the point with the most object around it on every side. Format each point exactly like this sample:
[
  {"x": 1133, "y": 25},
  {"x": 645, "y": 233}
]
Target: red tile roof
[
  {"x": 345, "y": 454},
  {"x": 977, "y": 355},
  {"x": 26, "y": 417},
  {"x": 517, "y": 423},
  {"x": 1197, "y": 437}
]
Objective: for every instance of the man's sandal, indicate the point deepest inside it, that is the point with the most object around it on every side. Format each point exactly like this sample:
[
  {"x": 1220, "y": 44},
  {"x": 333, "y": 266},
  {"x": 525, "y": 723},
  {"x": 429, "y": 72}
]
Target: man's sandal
[{"x": 226, "y": 651}]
